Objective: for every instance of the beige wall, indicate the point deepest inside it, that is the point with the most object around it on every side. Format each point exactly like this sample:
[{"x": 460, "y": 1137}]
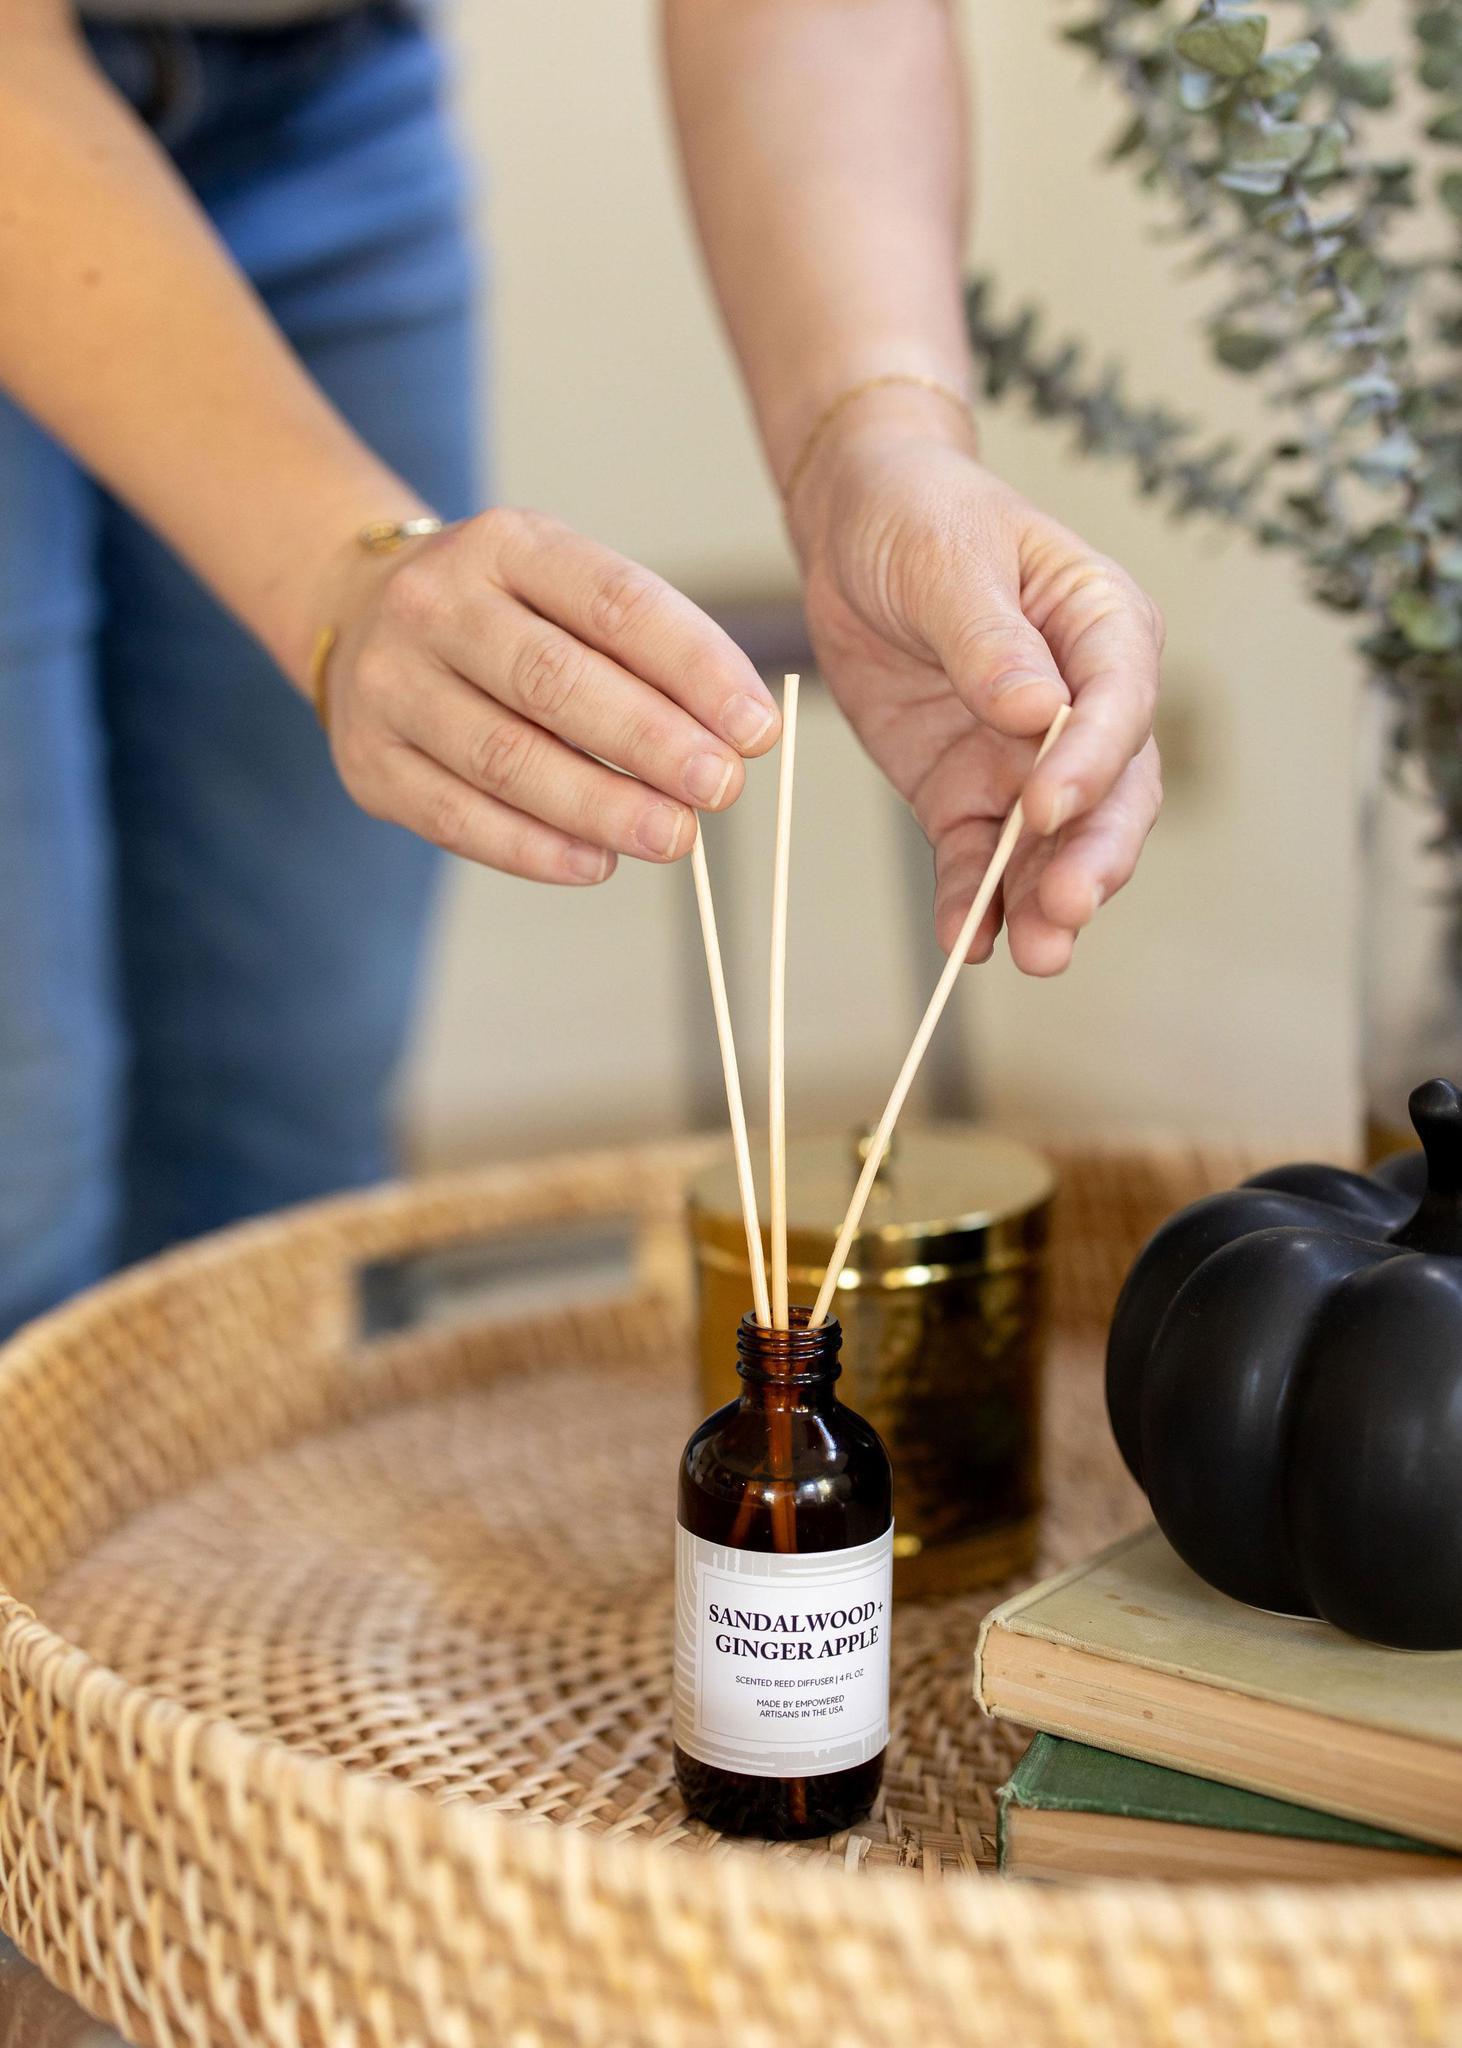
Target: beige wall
[{"x": 1215, "y": 996}]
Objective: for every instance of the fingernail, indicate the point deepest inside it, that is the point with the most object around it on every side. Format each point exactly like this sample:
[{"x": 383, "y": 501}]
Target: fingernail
[
  {"x": 1098, "y": 898},
  {"x": 587, "y": 863},
  {"x": 707, "y": 778},
  {"x": 747, "y": 720},
  {"x": 1068, "y": 796},
  {"x": 1008, "y": 685},
  {"x": 660, "y": 829}
]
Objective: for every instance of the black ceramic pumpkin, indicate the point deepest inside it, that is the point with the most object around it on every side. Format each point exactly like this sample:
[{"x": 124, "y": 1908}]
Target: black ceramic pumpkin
[{"x": 1284, "y": 1378}]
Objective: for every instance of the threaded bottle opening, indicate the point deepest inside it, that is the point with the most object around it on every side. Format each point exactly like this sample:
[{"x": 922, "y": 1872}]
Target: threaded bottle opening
[{"x": 789, "y": 1354}]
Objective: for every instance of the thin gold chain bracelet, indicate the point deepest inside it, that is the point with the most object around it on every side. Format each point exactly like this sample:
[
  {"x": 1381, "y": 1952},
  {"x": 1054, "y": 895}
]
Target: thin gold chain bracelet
[
  {"x": 381, "y": 537},
  {"x": 836, "y": 407}
]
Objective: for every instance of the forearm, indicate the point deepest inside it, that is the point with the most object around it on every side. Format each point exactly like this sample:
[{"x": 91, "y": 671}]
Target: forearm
[
  {"x": 824, "y": 147},
  {"x": 825, "y": 152},
  {"x": 126, "y": 330}
]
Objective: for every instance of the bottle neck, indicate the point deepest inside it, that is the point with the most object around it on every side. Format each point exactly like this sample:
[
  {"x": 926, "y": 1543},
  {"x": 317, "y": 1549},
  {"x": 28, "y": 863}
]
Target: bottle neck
[{"x": 796, "y": 1367}]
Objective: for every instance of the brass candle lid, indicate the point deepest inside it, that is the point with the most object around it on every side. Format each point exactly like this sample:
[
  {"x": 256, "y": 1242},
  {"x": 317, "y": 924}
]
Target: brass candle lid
[{"x": 950, "y": 1197}]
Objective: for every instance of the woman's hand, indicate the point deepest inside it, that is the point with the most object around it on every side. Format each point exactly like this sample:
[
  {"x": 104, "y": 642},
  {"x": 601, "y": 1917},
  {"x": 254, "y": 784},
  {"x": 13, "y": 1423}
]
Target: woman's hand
[
  {"x": 484, "y": 677},
  {"x": 951, "y": 620}
]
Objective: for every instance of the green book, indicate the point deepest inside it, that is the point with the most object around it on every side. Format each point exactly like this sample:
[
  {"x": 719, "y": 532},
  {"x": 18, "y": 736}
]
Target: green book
[{"x": 1070, "y": 1811}]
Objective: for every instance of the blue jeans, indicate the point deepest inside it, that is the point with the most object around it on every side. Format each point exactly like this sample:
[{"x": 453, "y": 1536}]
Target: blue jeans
[{"x": 207, "y": 953}]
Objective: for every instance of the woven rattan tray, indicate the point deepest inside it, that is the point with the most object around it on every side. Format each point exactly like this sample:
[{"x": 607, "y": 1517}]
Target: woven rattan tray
[{"x": 334, "y": 1672}]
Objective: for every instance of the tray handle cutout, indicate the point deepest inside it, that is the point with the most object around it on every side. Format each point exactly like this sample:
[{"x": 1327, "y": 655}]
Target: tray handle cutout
[{"x": 505, "y": 1278}]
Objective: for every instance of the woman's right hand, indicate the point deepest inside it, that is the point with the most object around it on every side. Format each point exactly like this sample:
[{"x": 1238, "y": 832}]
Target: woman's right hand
[{"x": 484, "y": 676}]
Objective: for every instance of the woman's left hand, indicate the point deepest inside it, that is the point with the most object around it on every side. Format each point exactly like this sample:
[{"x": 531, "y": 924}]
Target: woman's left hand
[{"x": 951, "y": 620}]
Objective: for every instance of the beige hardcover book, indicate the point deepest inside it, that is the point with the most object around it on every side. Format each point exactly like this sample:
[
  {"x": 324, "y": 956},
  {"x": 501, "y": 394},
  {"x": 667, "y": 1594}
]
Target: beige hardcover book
[
  {"x": 1061, "y": 1846},
  {"x": 1131, "y": 1652}
]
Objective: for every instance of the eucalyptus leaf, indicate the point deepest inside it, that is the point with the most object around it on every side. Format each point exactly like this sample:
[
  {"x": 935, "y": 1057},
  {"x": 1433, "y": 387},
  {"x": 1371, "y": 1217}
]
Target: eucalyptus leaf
[
  {"x": 1391, "y": 540},
  {"x": 1251, "y": 145},
  {"x": 1448, "y": 126},
  {"x": 1087, "y": 35},
  {"x": 1324, "y": 249},
  {"x": 1129, "y": 141},
  {"x": 1327, "y": 153},
  {"x": 1394, "y": 182},
  {"x": 1442, "y": 496},
  {"x": 1200, "y": 90},
  {"x": 1389, "y": 460},
  {"x": 1244, "y": 350},
  {"x": 1341, "y": 591},
  {"x": 1364, "y": 274},
  {"x": 1283, "y": 70},
  {"x": 1308, "y": 506},
  {"x": 1439, "y": 27},
  {"x": 1441, "y": 70},
  {"x": 1229, "y": 45},
  {"x": 1258, "y": 183},
  {"x": 1374, "y": 384},
  {"x": 1370, "y": 84},
  {"x": 1429, "y": 625}
]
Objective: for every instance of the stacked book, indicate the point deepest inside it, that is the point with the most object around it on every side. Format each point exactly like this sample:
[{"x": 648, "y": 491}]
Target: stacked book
[{"x": 1186, "y": 1736}]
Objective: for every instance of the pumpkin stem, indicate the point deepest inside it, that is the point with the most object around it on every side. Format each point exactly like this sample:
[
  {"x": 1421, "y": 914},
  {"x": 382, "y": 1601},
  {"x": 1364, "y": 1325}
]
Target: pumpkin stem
[{"x": 1436, "y": 1111}]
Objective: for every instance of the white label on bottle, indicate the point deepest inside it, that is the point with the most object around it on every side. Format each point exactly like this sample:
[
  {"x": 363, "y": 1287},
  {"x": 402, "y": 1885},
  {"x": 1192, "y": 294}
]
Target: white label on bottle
[{"x": 781, "y": 1662}]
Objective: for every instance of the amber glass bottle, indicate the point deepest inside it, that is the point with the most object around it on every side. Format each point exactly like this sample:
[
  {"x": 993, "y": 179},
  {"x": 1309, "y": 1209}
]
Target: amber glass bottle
[{"x": 783, "y": 1597}]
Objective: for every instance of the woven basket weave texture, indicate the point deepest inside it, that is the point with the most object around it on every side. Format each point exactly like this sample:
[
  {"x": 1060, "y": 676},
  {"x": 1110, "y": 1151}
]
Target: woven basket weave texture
[{"x": 336, "y": 1715}]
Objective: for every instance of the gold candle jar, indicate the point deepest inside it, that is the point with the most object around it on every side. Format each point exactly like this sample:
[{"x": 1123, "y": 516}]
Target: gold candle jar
[{"x": 942, "y": 1308}]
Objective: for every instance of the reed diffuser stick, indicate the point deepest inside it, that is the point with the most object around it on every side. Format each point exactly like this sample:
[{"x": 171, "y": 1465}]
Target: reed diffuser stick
[
  {"x": 943, "y": 989},
  {"x": 777, "y": 1030},
  {"x": 736, "y": 1108}
]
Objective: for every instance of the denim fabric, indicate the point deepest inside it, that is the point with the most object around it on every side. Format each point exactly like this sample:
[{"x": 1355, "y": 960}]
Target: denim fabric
[{"x": 207, "y": 953}]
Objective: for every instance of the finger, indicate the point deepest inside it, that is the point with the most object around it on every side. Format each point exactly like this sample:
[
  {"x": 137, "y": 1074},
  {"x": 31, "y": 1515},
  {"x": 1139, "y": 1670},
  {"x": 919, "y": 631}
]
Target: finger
[
  {"x": 535, "y": 668},
  {"x": 641, "y": 621},
  {"x": 1038, "y": 946},
  {"x": 1108, "y": 639},
  {"x": 997, "y": 662},
  {"x": 1094, "y": 858},
  {"x": 509, "y": 758},
  {"x": 961, "y": 858},
  {"x": 422, "y": 795},
  {"x": 975, "y": 778}
]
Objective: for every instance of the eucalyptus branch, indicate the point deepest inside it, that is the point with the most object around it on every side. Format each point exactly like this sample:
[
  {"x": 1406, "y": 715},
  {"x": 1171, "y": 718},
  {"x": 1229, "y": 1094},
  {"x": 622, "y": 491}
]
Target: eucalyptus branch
[
  {"x": 1261, "y": 147},
  {"x": 1163, "y": 449}
]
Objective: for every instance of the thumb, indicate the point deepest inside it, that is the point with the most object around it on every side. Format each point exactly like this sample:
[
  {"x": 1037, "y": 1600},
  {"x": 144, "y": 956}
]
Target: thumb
[{"x": 997, "y": 663}]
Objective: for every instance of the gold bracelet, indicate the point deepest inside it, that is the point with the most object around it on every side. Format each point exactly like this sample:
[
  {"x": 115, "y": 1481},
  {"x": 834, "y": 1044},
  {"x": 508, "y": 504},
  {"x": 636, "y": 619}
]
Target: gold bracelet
[
  {"x": 323, "y": 649},
  {"x": 846, "y": 398},
  {"x": 384, "y": 536},
  {"x": 381, "y": 537}
]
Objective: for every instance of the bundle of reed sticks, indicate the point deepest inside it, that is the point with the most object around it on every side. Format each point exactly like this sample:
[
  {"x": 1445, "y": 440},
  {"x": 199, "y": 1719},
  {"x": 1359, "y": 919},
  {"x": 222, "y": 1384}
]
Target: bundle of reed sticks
[{"x": 770, "y": 1304}]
